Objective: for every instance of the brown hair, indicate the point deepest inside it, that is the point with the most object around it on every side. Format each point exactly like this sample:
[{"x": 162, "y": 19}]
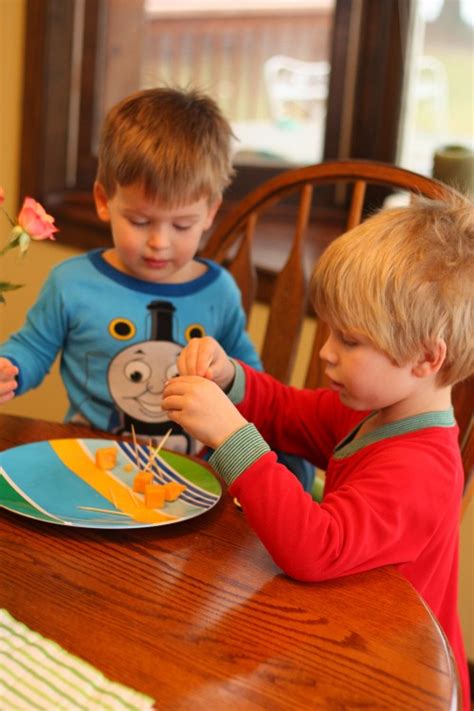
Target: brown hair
[
  {"x": 175, "y": 143},
  {"x": 404, "y": 278}
]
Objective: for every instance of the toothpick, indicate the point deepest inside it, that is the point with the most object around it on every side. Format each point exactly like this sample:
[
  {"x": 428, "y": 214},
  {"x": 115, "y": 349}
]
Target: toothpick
[
  {"x": 112, "y": 496},
  {"x": 136, "y": 502},
  {"x": 107, "y": 511},
  {"x": 129, "y": 492},
  {"x": 161, "y": 473},
  {"x": 151, "y": 457},
  {"x": 163, "y": 441},
  {"x": 156, "y": 451}
]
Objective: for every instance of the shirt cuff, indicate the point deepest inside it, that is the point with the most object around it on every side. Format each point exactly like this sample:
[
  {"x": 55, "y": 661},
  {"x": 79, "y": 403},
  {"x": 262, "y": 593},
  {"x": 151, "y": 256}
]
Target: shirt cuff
[
  {"x": 237, "y": 390},
  {"x": 238, "y": 452}
]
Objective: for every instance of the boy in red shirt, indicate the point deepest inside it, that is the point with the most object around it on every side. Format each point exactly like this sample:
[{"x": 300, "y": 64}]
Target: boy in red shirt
[{"x": 397, "y": 293}]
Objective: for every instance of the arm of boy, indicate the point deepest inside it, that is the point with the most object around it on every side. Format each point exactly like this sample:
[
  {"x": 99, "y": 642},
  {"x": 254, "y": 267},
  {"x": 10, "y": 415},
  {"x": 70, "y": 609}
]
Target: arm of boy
[
  {"x": 8, "y": 383},
  {"x": 35, "y": 346}
]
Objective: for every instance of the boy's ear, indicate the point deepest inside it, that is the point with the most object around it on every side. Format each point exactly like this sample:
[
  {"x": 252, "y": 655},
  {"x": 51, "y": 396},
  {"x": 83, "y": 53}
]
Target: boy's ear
[
  {"x": 431, "y": 359},
  {"x": 212, "y": 213},
  {"x": 101, "y": 202}
]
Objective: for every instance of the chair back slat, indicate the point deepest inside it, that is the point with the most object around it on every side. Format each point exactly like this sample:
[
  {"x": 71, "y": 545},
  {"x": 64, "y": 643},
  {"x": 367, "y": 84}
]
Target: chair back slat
[
  {"x": 242, "y": 267},
  {"x": 463, "y": 405},
  {"x": 467, "y": 452},
  {"x": 288, "y": 304},
  {"x": 357, "y": 204},
  {"x": 315, "y": 377}
]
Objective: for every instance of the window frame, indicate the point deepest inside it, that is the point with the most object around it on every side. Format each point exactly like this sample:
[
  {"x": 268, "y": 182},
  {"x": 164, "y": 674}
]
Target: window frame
[{"x": 368, "y": 51}]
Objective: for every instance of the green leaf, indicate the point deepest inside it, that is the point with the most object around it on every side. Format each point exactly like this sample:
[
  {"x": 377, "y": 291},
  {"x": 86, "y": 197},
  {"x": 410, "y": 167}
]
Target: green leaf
[
  {"x": 9, "y": 246},
  {"x": 6, "y": 286}
]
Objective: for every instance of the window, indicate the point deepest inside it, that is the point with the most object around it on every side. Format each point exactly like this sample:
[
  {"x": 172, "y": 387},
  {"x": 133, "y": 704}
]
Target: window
[
  {"x": 439, "y": 99},
  {"x": 265, "y": 63},
  {"x": 84, "y": 55}
]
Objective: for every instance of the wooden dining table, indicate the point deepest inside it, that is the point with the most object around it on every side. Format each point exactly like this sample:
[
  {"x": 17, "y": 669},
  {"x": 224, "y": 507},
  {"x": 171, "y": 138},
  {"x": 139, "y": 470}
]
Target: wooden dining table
[{"x": 197, "y": 615}]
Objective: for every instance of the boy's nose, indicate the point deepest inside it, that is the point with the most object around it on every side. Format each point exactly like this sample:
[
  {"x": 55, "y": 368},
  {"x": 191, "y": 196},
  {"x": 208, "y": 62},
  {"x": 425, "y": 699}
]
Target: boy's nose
[
  {"x": 158, "y": 239},
  {"x": 327, "y": 352}
]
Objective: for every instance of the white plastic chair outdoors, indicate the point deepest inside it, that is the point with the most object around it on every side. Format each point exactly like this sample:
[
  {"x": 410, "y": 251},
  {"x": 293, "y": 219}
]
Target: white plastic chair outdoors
[
  {"x": 431, "y": 85},
  {"x": 295, "y": 88}
]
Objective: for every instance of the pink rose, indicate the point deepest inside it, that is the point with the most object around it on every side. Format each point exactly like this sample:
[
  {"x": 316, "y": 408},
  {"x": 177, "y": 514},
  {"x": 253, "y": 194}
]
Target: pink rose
[
  {"x": 34, "y": 220},
  {"x": 2, "y": 195}
]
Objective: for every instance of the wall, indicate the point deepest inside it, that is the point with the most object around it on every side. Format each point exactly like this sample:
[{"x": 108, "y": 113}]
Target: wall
[
  {"x": 49, "y": 401},
  {"x": 466, "y": 580}
]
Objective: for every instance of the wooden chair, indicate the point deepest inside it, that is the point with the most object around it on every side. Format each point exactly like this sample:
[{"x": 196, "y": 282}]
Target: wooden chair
[{"x": 235, "y": 239}]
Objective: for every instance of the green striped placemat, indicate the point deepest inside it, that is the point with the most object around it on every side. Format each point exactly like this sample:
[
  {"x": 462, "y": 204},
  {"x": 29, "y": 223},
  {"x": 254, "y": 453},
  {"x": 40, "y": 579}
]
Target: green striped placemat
[{"x": 36, "y": 673}]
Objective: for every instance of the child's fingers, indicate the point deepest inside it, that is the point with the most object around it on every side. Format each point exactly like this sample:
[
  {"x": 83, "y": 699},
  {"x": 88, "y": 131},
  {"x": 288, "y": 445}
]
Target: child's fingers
[
  {"x": 7, "y": 390},
  {"x": 172, "y": 403},
  {"x": 7, "y": 370},
  {"x": 7, "y": 397},
  {"x": 196, "y": 358},
  {"x": 180, "y": 385},
  {"x": 203, "y": 367},
  {"x": 8, "y": 383},
  {"x": 208, "y": 355},
  {"x": 187, "y": 359},
  {"x": 173, "y": 388}
]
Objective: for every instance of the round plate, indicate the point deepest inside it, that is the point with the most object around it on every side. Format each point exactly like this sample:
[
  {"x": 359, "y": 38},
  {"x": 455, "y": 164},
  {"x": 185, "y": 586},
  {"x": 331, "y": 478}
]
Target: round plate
[{"x": 58, "y": 481}]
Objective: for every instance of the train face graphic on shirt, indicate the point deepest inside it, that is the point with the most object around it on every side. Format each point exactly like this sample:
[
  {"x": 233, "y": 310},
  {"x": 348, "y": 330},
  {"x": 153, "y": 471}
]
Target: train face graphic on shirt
[{"x": 137, "y": 374}]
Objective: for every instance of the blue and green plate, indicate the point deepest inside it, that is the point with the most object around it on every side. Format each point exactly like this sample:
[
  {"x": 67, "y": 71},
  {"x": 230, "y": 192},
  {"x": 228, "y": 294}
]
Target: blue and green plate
[{"x": 58, "y": 481}]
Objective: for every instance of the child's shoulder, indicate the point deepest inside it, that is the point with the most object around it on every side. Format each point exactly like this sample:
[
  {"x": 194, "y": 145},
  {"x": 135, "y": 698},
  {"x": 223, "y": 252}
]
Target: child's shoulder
[
  {"x": 432, "y": 435},
  {"x": 72, "y": 266},
  {"x": 217, "y": 274},
  {"x": 425, "y": 456}
]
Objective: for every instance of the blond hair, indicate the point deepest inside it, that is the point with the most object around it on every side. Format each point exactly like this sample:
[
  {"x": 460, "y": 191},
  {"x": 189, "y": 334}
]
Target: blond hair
[
  {"x": 404, "y": 279},
  {"x": 176, "y": 144}
]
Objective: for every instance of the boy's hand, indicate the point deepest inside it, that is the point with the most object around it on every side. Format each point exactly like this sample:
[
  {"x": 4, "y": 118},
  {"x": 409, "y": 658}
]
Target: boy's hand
[
  {"x": 205, "y": 357},
  {"x": 202, "y": 409},
  {"x": 8, "y": 384}
]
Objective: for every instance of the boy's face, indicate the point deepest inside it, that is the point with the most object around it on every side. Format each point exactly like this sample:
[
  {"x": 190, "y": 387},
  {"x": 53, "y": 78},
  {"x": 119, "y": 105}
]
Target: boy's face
[
  {"x": 153, "y": 242},
  {"x": 364, "y": 377}
]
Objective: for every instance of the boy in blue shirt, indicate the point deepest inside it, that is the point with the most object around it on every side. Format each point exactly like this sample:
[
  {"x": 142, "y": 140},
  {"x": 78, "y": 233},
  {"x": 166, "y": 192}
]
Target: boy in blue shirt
[{"x": 121, "y": 316}]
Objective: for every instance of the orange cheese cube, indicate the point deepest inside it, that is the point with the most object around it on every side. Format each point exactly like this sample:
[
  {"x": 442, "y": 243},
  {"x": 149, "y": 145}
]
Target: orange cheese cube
[
  {"x": 154, "y": 496},
  {"x": 106, "y": 457},
  {"x": 172, "y": 490},
  {"x": 142, "y": 480}
]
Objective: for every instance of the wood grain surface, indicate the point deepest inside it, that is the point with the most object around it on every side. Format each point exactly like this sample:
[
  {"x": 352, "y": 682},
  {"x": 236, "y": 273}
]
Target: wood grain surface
[{"x": 197, "y": 615}]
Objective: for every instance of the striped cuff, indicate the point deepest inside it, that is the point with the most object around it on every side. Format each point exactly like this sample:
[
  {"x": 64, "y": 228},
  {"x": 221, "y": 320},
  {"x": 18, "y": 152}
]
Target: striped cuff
[
  {"x": 237, "y": 390},
  {"x": 238, "y": 452}
]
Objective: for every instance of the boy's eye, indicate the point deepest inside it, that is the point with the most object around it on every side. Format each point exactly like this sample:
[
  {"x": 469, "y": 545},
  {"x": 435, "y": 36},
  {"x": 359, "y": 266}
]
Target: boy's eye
[
  {"x": 348, "y": 340},
  {"x": 182, "y": 228},
  {"x": 139, "y": 223}
]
